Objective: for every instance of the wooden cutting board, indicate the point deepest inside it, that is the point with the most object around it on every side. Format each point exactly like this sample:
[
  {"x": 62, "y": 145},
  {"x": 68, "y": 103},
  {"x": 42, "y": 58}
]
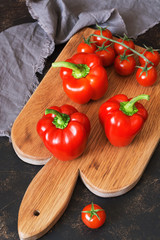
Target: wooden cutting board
[{"x": 106, "y": 170}]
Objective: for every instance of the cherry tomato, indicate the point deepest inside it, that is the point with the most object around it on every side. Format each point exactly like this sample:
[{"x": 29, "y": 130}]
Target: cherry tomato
[
  {"x": 86, "y": 46},
  {"x": 152, "y": 55},
  {"x": 146, "y": 76},
  {"x": 119, "y": 49},
  {"x": 93, "y": 216},
  {"x": 124, "y": 65},
  {"x": 107, "y": 55},
  {"x": 98, "y": 40}
]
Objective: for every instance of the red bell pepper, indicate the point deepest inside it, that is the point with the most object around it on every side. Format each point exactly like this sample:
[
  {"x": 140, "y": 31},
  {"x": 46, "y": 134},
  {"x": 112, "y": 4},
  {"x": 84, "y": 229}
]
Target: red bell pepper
[
  {"x": 84, "y": 77},
  {"x": 122, "y": 118},
  {"x": 64, "y": 131}
]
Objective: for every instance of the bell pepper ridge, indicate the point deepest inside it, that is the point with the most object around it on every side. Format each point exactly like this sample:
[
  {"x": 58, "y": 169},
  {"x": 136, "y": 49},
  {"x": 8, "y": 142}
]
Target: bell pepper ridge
[
  {"x": 129, "y": 107},
  {"x": 79, "y": 70},
  {"x": 61, "y": 120}
]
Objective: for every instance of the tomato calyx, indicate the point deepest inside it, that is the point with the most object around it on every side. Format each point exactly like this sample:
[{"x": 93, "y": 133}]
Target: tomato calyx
[
  {"x": 88, "y": 41},
  {"x": 129, "y": 107},
  {"x": 93, "y": 212},
  {"x": 150, "y": 49},
  {"x": 103, "y": 47},
  {"x": 61, "y": 120},
  {"x": 125, "y": 38},
  {"x": 145, "y": 69},
  {"x": 124, "y": 56},
  {"x": 79, "y": 70},
  {"x": 101, "y": 28}
]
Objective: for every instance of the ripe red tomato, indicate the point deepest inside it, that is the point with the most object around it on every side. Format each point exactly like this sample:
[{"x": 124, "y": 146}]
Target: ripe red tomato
[
  {"x": 93, "y": 216},
  {"x": 152, "y": 55},
  {"x": 119, "y": 49},
  {"x": 98, "y": 40},
  {"x": 146, "y": 77},
  {"x": 124, "y": 65},
  {"x": 107, "y": 56},
  {"x": 86, "y": 46}
]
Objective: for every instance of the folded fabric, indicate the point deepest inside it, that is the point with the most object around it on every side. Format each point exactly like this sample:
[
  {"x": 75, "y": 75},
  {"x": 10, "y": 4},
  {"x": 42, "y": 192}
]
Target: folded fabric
[
  {"x": 24, "y": 48},
  {"x": 60, "y": 18}
]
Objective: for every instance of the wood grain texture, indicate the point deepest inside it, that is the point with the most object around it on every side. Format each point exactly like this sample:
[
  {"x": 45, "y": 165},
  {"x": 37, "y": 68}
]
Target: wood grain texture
[
  {"x": 106, "y": 170},
  {"x": 46, "y": 199}
]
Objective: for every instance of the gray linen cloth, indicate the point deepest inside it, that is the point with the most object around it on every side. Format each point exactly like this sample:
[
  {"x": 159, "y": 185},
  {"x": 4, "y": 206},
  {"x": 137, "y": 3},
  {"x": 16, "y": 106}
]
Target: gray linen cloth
[{"x": 25, "y": 48}]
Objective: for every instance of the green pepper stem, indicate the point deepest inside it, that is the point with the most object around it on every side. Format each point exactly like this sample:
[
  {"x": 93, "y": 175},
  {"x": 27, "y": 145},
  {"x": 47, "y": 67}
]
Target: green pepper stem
[
  {"x": 79, "y": 70},
  {"x": 129, "y": 107},
  {"x": 52, "y": 111},
  {"x": 124, "y": 45},
  {"x": 61, "y": 120},
  {"x": 66, "y": 65},
  {"x": 131, "y": 103}
]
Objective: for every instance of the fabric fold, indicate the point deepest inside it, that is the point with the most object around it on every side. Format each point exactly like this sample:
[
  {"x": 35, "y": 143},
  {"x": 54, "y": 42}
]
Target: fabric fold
[
  {"x": 64, "y": 18},
  {"x": 24, "y": 49}
]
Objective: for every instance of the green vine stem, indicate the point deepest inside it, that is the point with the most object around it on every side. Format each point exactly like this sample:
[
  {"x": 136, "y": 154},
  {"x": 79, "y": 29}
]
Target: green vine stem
[{"x": 123, "y": 44}]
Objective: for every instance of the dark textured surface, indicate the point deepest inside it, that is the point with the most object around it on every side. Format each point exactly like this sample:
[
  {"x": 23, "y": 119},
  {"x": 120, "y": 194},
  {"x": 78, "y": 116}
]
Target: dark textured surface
[
  {"x": 135, "y": 215},
  {"x": 13, "y": 13}
]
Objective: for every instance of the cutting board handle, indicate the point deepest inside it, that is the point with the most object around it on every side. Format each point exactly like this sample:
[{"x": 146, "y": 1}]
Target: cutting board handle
[{"x": 46, "y": 198}]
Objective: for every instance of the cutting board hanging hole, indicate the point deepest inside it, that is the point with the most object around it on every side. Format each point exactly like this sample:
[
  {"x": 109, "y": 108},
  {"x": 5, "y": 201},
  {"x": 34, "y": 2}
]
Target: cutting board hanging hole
[{"x": 36, "y": 213}]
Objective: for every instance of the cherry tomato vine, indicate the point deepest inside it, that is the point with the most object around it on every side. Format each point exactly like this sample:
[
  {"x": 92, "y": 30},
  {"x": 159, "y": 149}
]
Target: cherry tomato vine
[
  {"x": 149, "y": 58},
  {"x": 123, "y": 44}
]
